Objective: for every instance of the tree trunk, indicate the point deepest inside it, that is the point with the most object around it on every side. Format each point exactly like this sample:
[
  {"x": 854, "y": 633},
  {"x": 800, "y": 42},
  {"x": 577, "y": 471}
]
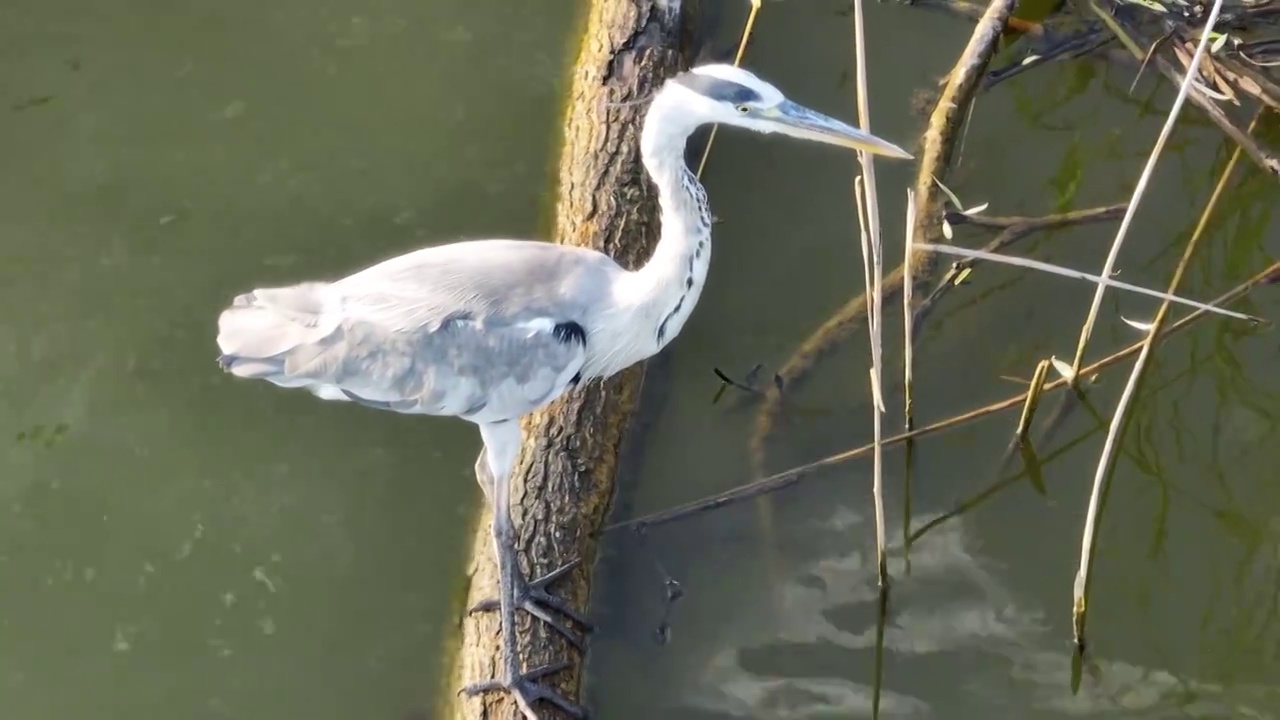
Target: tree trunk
[{"x": 564, "y": 482}]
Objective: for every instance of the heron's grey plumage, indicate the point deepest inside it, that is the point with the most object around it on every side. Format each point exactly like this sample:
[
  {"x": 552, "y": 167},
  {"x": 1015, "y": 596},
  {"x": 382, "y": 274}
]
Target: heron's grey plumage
[
  {"x": 490, "y": 330},
  {"x": 440, "y": 331}
]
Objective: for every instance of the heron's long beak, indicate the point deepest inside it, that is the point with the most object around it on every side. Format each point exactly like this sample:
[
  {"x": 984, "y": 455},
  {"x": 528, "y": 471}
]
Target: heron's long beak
[{"x": 801, "y": 122}]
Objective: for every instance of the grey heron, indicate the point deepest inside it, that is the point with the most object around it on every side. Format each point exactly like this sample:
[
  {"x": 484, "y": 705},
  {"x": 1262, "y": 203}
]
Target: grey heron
[{"x": 491, "y": 330}]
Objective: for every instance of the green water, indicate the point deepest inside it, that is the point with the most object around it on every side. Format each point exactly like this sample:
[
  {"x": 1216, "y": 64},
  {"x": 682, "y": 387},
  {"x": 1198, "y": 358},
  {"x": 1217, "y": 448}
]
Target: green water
[
  {"x": 184, "y": 545},
  {"x": 1183, "y": 618},
  {"x": 174, "y": 543}
]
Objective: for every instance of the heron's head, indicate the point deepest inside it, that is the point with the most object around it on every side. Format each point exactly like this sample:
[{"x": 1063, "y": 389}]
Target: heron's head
[{"x": 729, "y": 95}]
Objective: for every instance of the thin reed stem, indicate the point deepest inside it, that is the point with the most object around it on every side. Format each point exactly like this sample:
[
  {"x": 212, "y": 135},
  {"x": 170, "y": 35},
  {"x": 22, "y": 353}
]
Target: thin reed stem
[
  {"x": 933, "y": 158},
  {"x": 908, "y": 346},
  {"x": 1068, "y": 272},
  {"x": 877, "y": 680},
  {"x": 1140, "y": 189},
  {"x": 873, "y": 264},
  {"x": 1033, "y": 399},
  {"x": 1120, "y": 419},
  {"x": 737, "y": 60},
  {"x": 908, "y": 313},
  {"x": 787, "y": 478}
]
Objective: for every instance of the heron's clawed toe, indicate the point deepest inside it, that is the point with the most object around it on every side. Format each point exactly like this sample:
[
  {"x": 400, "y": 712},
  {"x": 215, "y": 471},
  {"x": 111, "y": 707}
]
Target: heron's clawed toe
[
  {"x": 526, "y": 691},
  {"x": 534, "y": 599}
]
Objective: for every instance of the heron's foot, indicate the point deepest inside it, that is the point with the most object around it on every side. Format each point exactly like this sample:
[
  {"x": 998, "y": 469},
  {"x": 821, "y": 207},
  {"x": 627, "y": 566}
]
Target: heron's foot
[
  {"x": 526, "y": 691},
  {"x": 534, "y": 599}
]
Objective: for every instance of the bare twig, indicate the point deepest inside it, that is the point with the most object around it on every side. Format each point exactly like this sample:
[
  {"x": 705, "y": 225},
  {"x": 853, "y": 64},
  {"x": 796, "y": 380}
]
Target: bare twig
[
  {"x": 985, "y": 494},
  {"x": 1243, "y": 76},
  {"x": 1015, "y": 229},
  {"x": 835, "y": 327},
  {"x": 793, "y": 476},
  {"x": 934, "y": 158},
  {"x": 1068, "y": 272},
  {"x": 1265, "y": 160},
  {"x": 1042, "y": 222},
  {"x": 737, "y": 60},
  {"x": 978, "y": 498},
  {"x": 1260, "y": 156},
  {"x": 1121, "y": 417},
  {"x": 1140, "y": 189}
]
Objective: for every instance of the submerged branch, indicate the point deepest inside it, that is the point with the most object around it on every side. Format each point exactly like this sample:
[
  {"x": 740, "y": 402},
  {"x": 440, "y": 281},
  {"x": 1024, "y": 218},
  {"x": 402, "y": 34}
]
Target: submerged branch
[
  {"x": 1237, "y": 68},
  {"x": 936, "y": 147},
  {"x": 1264, "y": 159},
  {"x": 1108, "y": 266},
  {"x": 795, "y": 475}
]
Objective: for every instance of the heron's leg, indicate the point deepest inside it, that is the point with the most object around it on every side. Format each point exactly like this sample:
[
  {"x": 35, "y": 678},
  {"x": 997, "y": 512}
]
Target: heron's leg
[
  {"x": 502, "y": 443},
  {"x": 484, "y": 476},
  {"x": 532, "y": 597}
]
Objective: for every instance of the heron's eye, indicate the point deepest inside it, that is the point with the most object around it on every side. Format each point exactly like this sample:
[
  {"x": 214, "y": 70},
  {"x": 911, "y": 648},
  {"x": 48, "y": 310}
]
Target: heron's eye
[{"x": 743, "y": 109}]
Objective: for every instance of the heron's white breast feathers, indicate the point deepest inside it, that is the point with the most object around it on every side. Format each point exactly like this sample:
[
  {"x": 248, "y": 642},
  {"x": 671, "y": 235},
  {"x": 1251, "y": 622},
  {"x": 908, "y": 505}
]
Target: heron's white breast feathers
[{"x": 619, "y": 337}]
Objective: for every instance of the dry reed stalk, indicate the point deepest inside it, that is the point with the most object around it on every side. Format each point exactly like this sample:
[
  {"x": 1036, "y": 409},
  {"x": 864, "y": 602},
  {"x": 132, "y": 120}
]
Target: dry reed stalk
[
  {"x": 1121, "y": 416},
  {"x": 1068, "y": 272},
  {"x": 1119, "y": 420},
  {"x": 908, "y": 344},
  {"x": 933, "y": 158},
  {"x": 882, "y": 622},
  {"x": 787, "y": 478},
  {"x": 737, "y": 60},
  {"x": 1141, "y": 188},
  {"x": 907, "y": 311},
  {"x": 873, "y": 266},
  {"x": 1033, "y": 399}
]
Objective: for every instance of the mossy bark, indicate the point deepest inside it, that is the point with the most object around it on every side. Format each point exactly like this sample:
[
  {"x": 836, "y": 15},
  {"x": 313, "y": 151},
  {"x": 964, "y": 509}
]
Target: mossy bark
[{"x": 564, "y": 482}]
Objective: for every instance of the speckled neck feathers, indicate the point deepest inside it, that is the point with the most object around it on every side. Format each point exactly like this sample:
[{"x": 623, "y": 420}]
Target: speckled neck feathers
[
  {"x": 658, "y": 298},
  {"x": 678, "y": 269}
]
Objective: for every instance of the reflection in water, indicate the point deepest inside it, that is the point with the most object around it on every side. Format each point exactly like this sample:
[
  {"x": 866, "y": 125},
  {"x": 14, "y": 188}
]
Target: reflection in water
[{"x": 951, "y": 603}]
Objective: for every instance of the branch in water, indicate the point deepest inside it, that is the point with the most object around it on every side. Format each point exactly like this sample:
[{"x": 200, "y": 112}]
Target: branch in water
[{"x": 793, "y": 476}]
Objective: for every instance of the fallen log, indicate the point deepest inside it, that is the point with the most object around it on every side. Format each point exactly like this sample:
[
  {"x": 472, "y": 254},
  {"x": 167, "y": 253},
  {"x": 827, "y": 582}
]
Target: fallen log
[{"x": 564, "y": 482}]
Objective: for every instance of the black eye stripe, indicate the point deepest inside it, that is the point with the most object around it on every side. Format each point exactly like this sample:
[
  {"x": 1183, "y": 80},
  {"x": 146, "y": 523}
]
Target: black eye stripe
[{"x": 717, "y": 88}]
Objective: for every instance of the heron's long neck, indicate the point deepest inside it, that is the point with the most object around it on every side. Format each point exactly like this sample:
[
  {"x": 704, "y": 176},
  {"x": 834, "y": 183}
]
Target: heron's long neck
[{"x": 668, "y": 285}]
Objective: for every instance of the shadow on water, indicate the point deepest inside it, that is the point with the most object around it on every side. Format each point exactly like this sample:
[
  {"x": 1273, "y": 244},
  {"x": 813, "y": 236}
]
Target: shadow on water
[
  {"x": 174, "y": 543},
  {"x": 1183, "y": 607}
]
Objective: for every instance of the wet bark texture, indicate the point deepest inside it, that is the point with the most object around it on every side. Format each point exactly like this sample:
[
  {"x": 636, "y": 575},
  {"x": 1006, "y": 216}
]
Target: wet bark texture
[{"x": 564, "y": 482}]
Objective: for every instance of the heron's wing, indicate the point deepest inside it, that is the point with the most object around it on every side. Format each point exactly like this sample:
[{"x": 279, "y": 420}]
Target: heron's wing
[
  {"x": 441, "y": 335},
  {"x": 512, "y": 279}
]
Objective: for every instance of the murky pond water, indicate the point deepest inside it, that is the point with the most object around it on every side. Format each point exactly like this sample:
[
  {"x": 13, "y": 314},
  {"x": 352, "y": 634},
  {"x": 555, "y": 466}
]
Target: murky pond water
[
  {"x": 778, "y": 620},
  {"x": 175, "y": 543}
]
